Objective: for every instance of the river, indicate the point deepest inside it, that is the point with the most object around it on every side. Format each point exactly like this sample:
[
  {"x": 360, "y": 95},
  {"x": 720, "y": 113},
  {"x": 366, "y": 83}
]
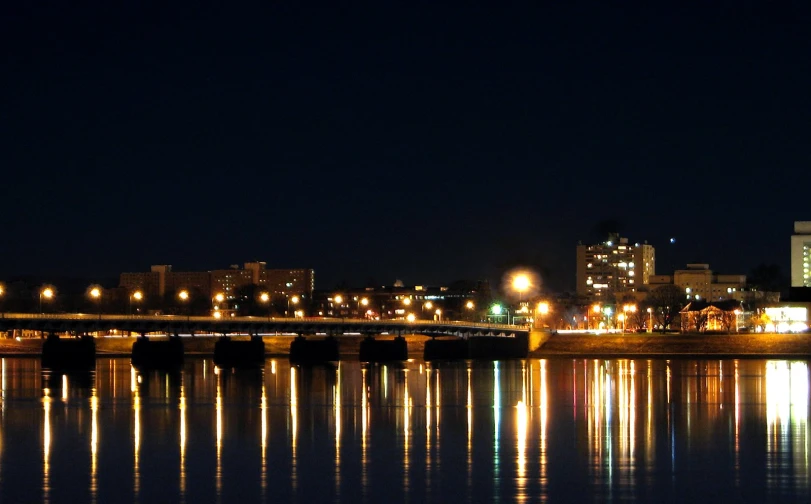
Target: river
[{"x": 560, "y": 430}]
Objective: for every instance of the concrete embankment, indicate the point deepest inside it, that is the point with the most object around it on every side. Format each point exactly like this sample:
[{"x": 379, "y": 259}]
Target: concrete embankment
[
  {"x": 115, "y": 346},
  {"x": 656, "y": 345}
]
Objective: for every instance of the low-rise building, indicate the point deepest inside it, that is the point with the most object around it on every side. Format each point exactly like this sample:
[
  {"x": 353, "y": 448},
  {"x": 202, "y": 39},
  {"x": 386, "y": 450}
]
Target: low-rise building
[{"x": 700, "y": 283}]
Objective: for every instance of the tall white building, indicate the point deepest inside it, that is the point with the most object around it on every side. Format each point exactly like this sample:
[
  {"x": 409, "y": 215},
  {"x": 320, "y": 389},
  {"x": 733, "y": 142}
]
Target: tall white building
[
  {"x": 613, "y": 267},
  {"x": 800, "y": 247}
]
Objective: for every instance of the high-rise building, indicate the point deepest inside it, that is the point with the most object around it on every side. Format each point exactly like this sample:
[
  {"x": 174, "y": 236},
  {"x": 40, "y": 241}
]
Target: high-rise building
[
  {"x": 613, "y": 267},
  {"x": 800, "y": 251}
]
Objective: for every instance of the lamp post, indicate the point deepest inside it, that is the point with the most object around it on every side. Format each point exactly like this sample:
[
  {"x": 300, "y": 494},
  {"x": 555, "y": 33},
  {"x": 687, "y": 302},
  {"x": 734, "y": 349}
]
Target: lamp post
[
  {"x": 427, "y": 306},
  {"x": 362, "y": 302},
  {"x": 95, "y": 294},
  {"x": 470, "y": 305},
  {"x": 521, "y": 283},
  {"x": 337, "y": 301},
  {"x": 47, "y": 293},
  {"x": 438, "y": 315},
  {"x": 294, "y": 300},
  {"x": 596, "y": 310},
  {"x": 625, "y": 309},
  {"x": 184, "y": 298},
  {"x": 543, "y": 310},
  {"x": 737, "y": 312},
  {"x": 650, "y": 319},
  {"x": 265, "y": 299},
  {"x": 137, "y": 296}
]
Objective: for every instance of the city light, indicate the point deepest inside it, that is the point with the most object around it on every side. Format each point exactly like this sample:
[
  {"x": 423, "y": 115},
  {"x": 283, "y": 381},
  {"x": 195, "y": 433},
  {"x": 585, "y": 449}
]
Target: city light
[
  {"x": 183, "y": 295},
  {"x": 338, "y": 299},
  {"x": 411, "y": 317},
  {"x": 220, "y": 297},
  {"x": 264, "y": 297},
  {"x": 543, "y": 308}
]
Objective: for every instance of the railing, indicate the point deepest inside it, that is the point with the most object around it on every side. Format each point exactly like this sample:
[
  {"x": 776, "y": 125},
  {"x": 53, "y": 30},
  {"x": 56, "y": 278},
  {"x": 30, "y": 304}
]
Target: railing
[{"x": 260, "y": 320}]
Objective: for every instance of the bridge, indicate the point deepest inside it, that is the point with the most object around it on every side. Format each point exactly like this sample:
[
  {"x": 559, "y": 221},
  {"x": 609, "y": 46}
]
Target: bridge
[{"x": 81, "y": 323}]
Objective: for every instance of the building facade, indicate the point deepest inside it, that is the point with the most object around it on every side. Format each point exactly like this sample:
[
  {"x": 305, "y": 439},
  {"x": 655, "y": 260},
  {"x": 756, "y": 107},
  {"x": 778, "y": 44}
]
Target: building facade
[
  {"x": 613, "y": 267},
  {"x": 161, "y": 279},
  {"x": 800, "y": 248},
  {"x": 700, "y": 283}
]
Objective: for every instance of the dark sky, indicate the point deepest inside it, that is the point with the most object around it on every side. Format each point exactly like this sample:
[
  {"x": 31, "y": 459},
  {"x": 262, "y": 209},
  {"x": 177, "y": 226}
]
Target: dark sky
[{"x": 422, "y": 141}]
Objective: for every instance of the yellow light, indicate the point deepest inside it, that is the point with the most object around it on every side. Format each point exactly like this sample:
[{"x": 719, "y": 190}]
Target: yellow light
[
  {"x": 407, "y": 301},
  {"x": 183, "y": 295},
  {"x": 470, "y": 305},
  {"x": 294, "y": 299},
  {"x": 364, "y": 302},
  {"x": 217, "y": 314},
  {"x": 521, "y": 282},
  {"x": 339, "y": 299},
  {"x": 220, "y": 297},
  {"x": 95, "y": 292},
  {"x": 264, "y": 297},
  {"x": 429, "y": 305},
  {"x": 411, "y": 317},
  {"x": 439, "y": 312},
  {"x": 47, "y": 293},
  {"x": 137, "y": 295},
  {"x": 596, "y": 308},
  {"x": 543, "y": 307},
  {"x": 2, "y": 290}
]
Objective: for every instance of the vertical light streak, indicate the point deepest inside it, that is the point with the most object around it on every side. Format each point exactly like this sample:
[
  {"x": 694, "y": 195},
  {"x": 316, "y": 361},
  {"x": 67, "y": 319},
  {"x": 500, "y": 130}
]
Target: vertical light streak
[
  {"x": 364, "y": 419},
  {"x": 544, "y": 407},
  {"x": 293, "y": 426},
  {"x": 428, "y": 405},
  {"x": 469, "y": 407},
  {"x": 737, "y": 428},
  {"x": 65, "y": 388},
  {"x": 182, "y": 411},
  {"x": 94, "y": 444},
  {"x": 336, "y": 403},
  {"x": 263, "y": 407},
  {"x": 136, "y": 434},
  {"x": 521, "y": 442},
  {"x": 406, "y": 433},
  {"x": 46, "y": 448},
  {"x": 496, "y": 420},
  {"x": 218, "y": 406}
]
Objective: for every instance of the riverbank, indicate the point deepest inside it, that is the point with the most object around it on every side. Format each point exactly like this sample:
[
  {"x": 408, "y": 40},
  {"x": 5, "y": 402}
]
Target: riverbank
[{"x": 657, "y": 345}]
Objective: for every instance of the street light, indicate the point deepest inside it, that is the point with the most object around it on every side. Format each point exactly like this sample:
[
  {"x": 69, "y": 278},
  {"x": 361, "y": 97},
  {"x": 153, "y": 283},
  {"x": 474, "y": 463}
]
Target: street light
[
  {"x": 410, "y": 317},
  {"x": 294, "y": 300},
  {"x": 438, "y": 315},
  {"x": 337, "y": 300},
  {"x": 497, "y": 309},
  {"x": 138, "y": 296},
  {"x": 543, "y": 310},
  {"x": 184, "y": 297},
  {"x": 362, "y": 302},
  {"x": 95, "y": 293},
  {"x": 265, "y": 299},
  {"x": 521, "y": 283},
  {"x": 625, "y": 309},
  {"x": 47, "y": 293},
  {"x": 650, "y": 319},
  {"x": 737, "y": 312}
]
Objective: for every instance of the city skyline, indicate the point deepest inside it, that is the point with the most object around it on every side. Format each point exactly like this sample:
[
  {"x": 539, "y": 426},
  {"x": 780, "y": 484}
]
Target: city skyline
[{"x": 426, "y": 145}]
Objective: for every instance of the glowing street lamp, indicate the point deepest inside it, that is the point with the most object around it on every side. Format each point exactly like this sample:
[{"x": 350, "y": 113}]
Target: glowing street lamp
[
  {"x": 294, "y": 300},
  {"x": 362, "y": 302},
  {"x": 521, "y": 283},
  {"x": 410, "y": 317},
  {"x": 47, "y": 293},
  {"x": 438, "y": 315},
  {"x": 184, "y": 298},
  {"x": 650, "y": 319},
  {"x": 625, "y": 309},
  {"x": 95, "y": 294},
  {"x": 496, "y": 309},
  {"x": 543, "y": 310},
  {"x": 264, "y": 298},
  {"x": 137, "y": 296}
]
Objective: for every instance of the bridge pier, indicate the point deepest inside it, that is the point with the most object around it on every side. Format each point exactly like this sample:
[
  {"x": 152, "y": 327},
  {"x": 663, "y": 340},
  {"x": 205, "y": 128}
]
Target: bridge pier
[
  {"x": 68, "y": 353},
  {"x": 157, "y": 354},
  {"x": 230, "y": 353},
  {"x": 373, "y": 350},
  {"x": 303, "y": 350}
]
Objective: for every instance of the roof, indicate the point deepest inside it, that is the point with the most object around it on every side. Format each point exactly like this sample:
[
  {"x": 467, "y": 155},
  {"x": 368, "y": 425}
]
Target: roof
[{"x": 726, "y": 305}]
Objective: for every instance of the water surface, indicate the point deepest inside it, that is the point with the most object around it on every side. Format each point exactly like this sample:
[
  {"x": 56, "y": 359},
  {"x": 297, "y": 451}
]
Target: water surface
[{"x": 561, "y": 430}]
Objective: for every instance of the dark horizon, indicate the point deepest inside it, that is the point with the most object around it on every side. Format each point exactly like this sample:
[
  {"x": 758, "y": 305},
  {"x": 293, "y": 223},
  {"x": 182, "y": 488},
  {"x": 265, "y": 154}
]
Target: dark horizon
[{"x": 426, "y": 144}]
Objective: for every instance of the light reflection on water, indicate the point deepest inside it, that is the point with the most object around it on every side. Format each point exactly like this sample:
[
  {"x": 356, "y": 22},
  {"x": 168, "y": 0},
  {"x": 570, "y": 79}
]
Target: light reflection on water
[{"x": 571, "y": 430}]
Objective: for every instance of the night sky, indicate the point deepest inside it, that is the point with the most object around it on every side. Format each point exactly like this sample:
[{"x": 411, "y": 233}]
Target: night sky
[{"x": 413, "y": 141}]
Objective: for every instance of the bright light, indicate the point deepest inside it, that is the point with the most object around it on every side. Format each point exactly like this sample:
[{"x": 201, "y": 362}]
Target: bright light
[
  {"x": 95, "y": 292},
  {"x": 220, "y": 297},
  {"x": 137, "y": 295},
  {"x": 439, "y": 312},
  {"x": 364, "y": 302},
  {"x": 407, "y": 301},
  {"x": 264, "y": 297},
  {"x": 496, "y": 309},
  {"x": 543, "y": 307},
  {"x": 294, "y": 299},
  {"x": 521, "y": 282},
  {"x": 217, "y": 314},
  {"x": 47, "y": 293},
  {"x": 339, "y": 299},
  {"x": 429, "y": 305},
  {"x": 596, "y": 308},
  {"x": 411, "y": 317},
  {"x": 469, "y": 305},
  {"x": 183, "y": 295}
]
